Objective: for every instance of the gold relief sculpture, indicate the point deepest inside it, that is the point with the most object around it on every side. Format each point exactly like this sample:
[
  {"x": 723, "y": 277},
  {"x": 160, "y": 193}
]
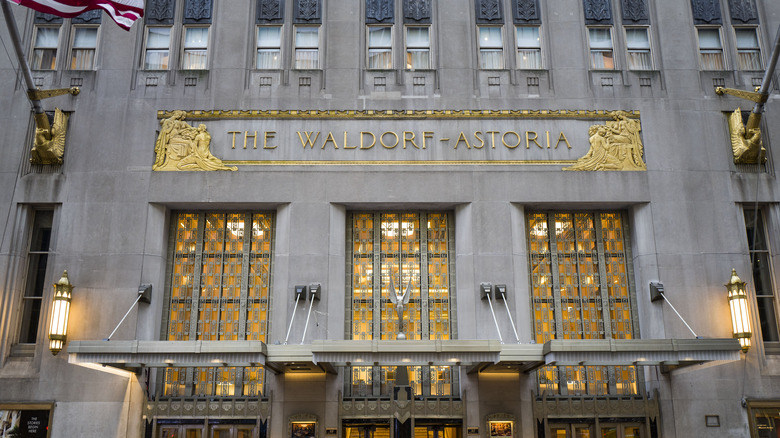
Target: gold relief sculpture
[
  {"x": 616, "y": 145},
  {"x": 746, "y": 144},
  {"x": 49, "y": 145},
  {"x": 181, "y": 146}
]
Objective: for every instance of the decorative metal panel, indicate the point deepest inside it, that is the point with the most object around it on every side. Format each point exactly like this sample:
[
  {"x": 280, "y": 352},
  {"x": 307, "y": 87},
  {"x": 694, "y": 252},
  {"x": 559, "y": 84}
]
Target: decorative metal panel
[
  {"x": 90, "y": 17},
  {"x": 597, "y": 11},
  {"x": 706, "y": 11},
  {"x": 380, "y": 11},
  {"x": 489, "y": 11},
  {"x": 197, "y": 11},
  {"x": 526, "y": 11},
  {"x": 307, "y": 11},
  {"x": 159, "y": 12},
  {"x": 417, "y": 11},
  {"x": 270, "y": 11},
  {"x": 635, "y": 11},
  {"x": 744, "y": 11},
  {"x": 40, "y": 17}
]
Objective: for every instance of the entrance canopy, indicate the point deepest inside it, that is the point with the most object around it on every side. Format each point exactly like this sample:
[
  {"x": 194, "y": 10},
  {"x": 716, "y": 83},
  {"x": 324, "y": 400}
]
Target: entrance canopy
[{"x": 487, "y": 356}]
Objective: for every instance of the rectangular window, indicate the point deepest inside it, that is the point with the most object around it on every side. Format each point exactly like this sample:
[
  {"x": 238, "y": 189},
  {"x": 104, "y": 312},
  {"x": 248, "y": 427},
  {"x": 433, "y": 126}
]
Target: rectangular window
[
  {"x": 82, "y": 51},
  {"x": 748, "y": 50},
  {"x": 491, "y": 48},
  {"x": 411, "y": 254},
  {"x": 380, "y": 48},
  {"x": 601, "y": 56},
  {"x": 762, "y": 279},
  {"x": 580, "y": 286},
  {"x": 711, "y": 49},
  {"x": 158, "y": 48},
  {"x": 220, "y": 281},
  {"x": 37, "y": 260},
  {"x": 269, "y": 47},
  {"x": 638, "y": 48},
  {"x": 418, "y": 48},
  {"x": 196, "y": 48},
  {"x": 529, "y": 48},
  {"x": 45, "y": 50},
  {"x": 307, "y": 48}
]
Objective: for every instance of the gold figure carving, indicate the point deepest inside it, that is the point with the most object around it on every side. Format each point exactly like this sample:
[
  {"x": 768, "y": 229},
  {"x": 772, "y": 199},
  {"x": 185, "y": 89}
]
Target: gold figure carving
[
  {"x": 181, "y": 146},
  {"x": 49, "y": 145},
  {"x": 616, "y": 145},
  {"x": 745, "y": 143}
]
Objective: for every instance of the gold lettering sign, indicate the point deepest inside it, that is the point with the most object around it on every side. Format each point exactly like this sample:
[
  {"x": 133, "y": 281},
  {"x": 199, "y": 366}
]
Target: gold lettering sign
[{"x": 578, "y": 140}]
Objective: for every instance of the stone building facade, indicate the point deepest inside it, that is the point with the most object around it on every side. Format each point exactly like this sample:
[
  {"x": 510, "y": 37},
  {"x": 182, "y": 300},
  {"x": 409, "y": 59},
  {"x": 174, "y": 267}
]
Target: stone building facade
[{"x": 469, "y": 218}]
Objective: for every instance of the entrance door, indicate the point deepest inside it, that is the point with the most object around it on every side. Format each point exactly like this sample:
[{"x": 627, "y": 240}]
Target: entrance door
[
  {"x": 182, "y": 431},
  {"x": 367, "y": 431},
  {"x": 605, "y": 430},
  {"x": 437, "y": 432}
]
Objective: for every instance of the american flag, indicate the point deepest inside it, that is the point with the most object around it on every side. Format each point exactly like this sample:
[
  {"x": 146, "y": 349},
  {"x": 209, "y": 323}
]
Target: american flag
[{"x": 123, "y": 12}]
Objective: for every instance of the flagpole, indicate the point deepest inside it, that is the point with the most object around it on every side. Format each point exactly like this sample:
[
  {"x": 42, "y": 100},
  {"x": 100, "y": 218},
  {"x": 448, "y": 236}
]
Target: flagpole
[{"x": 41, "y": 120}]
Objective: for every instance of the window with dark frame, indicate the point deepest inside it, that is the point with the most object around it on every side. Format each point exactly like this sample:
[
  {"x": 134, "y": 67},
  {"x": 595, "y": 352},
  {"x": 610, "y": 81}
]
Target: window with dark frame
[
  {"x": 36, "y": 284},
  {"x": 760, "y": 260}
]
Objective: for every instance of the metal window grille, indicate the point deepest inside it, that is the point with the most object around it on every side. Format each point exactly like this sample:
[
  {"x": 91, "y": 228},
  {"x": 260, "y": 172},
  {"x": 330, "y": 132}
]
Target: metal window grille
[
  {"x": 219, "y": 289},
  {"x": 415, "y": 250},
  {"x": 581, "y": 289}
]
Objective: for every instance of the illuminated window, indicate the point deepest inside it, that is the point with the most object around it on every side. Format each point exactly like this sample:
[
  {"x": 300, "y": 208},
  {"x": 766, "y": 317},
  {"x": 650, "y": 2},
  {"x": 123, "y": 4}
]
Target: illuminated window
[
  {"x": 581, "y": 289},
  {"x": 529, "y": 48},
  {"x": 711, "y": 49},
  {"x": 601, "y": 55},
  {"x": 307, "y": 48},
  {"x": 638, "y": 48},
  {"x": 400, "y": 253},
  {"x": 82, "y": 50},
  {"x": 418, "y": 48},
  {"x": 491, "y": 48},
  {"x": 196, "y": 48},
  {"x": 45, "y": 49},
  {"x": 269, "y": 47},
  {"x": 748, "y": 50},
  {"x": 157, "y": 51},
  {"x": 380, "y": 47},
  {"x": 219, "y": 290}
]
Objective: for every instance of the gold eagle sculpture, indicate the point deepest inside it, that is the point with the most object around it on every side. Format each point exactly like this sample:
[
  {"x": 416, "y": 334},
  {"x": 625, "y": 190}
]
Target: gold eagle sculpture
[
  {"x": 49, "y": 146},
  {"x": 747, "y": 146}
]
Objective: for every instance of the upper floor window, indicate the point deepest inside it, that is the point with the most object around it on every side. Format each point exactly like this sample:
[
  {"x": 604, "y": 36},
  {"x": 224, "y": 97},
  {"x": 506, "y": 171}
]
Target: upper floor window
[
  {"x": 581, "y": 289},
  {"x": 766, "y": 298},
  {"x": 380, "y": 47},
  {"x": 307, "y": 47},
  {"x": 748, "y": 49},
  {"x": 82, "y": 51},
  {"x": 196, "y": 45},
  {"x": 491, "y": 48},
  {"x": 45, "y": 49},
  {"x": 601, "y": 48},
  {"x": 638, "y": 48},
  {"x": 711, "y": 49},
  {"x": 418, "y": 47},
  {"x": 37, "y": 262},
  {"x": 219, "y": 290},
  {"x": 157, "y": 52},
  {"x": 269, "y": 47},
  {"x": 529, "y": 48}
]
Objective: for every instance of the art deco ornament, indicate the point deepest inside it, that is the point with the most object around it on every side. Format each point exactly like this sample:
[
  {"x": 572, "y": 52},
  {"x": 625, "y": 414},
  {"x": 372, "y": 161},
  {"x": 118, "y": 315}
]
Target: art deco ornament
[
  {"x": 60, "y": 310},
  {"x": 49, "y": 145},
  {"x": 616, "y": 145},
  {"x": 400, "y": 300},
  {"x": 180, "y": 146},
  {"x": 745, "y": 143},
  {"x": 738, "y": 304}
]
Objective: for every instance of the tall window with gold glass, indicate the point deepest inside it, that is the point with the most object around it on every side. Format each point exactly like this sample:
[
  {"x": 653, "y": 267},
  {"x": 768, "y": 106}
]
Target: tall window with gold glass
[
  {"x": 581, "y": 288},
  {"x": 218, "y": 289},
  {"x": 403, "y": 257}
]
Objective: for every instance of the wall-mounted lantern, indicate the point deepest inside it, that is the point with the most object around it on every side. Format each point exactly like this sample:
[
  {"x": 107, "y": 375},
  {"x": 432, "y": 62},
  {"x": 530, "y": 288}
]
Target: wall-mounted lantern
[
  {"x": 740, "y": 317},
  {"x": 58, "y": 330}
]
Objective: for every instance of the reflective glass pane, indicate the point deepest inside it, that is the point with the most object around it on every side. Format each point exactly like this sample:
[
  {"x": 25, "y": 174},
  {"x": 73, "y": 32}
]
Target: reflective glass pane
[{"x": 490, "y": 37}]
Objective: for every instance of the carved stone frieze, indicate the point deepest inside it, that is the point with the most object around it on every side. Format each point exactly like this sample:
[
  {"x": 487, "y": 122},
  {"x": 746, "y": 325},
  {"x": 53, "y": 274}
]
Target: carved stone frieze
[
  {"x": 489, "y": 11},
  {"x": 402, "y": 409},
  {"x": 379, "y": 11},
  {"x": 616, "y": 145},
  {"x": 525, "y": 11},
  {"x": 40, "y": 17},
  {"x": 594, "y": 407},
  {"x": 180, "y": 146},
  {"x": 744, "y": 11},
  {"x": 417, "y": 11},
  {"x": 398, "y": 114},
  {"x": 597, "y": 11},
  {"x": 204, "y": 408},
  {"x": 89, "y": 17},
  {"x": 270, "y": 11},
  {"x": 307, "y": 11},
  {"x": 635, "y": 11},
  {"x": 159, "y": 11},
  {"x": 197, "y": 11},
  {"x": 706, "y": 11}
]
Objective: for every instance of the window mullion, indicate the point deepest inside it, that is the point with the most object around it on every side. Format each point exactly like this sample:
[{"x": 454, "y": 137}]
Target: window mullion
[
  {"x": 376, "y": 326},
  {"x": 606, "y": 305},
  {"x": 246, "y": 250},
  {"x": 196, "y": 282},
  {"x": 555, "y": 274},
  {"x": 423, "y": 242}
]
